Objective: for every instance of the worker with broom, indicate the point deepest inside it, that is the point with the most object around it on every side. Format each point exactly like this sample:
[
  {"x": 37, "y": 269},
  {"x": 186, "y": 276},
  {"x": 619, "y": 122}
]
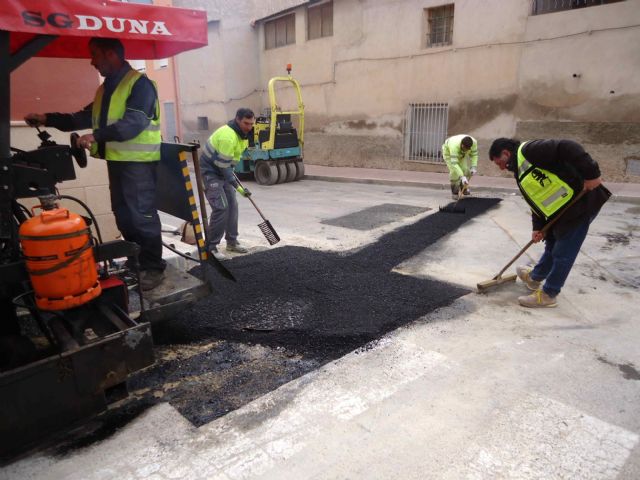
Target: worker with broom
[
  {"x": 460, "y": 153},
  {"x": 550, "y": 174},
  {"x": 221, "y": 153}
]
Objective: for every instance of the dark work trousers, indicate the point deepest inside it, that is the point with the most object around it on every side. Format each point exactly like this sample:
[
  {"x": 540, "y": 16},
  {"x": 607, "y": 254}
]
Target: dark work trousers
[
  {"x": 133, "y": 201},
  {"x": 559, "y": 255},
  {"x": 224, "y": 211}
]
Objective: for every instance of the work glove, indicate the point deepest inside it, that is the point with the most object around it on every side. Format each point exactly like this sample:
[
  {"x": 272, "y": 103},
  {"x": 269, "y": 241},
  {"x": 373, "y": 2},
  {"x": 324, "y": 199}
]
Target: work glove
[
  {"x": 464, "y": 181},
  {"x": 243, "y": 191},
  {"x": 473, "y": 170}
]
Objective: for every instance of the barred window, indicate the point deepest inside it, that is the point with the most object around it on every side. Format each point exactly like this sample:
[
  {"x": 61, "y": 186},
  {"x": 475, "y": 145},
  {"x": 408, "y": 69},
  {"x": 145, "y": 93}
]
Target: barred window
[
  {"x": 549, "y": 6},
  {"x": 280, "y": 32},
  {"x": 320, "y": 21},
  {"x": 439, "y": 25},
  {"x": 425, "y": 131}
]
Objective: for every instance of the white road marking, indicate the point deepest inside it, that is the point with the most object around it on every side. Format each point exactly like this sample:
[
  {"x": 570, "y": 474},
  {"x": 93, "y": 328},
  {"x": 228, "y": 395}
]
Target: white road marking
[
  {"x": 544, "y": 439},
  {"x": 330, "y": 394}
]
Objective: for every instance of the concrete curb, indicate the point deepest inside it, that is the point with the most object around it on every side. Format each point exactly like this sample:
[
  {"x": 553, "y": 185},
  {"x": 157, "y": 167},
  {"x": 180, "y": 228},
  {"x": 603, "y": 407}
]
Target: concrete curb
[{"x": 440, "y": 186}]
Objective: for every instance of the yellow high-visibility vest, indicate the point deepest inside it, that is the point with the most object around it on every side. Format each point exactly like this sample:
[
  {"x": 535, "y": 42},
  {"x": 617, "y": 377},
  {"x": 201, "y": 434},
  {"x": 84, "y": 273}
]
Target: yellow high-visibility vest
[
  {"x": 225, "y": 147},
  {"x": 545, "y": 192},
  {"x": 145, "y": 147}
]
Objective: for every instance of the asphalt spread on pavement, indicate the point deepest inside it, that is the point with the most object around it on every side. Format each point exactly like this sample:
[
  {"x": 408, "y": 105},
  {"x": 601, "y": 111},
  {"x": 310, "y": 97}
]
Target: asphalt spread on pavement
[{"x": 292, "y": 310}]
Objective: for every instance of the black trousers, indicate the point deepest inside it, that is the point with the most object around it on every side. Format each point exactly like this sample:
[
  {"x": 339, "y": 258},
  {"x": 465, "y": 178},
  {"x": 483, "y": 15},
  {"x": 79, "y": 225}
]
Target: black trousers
[{"x": 133, "y": 201}]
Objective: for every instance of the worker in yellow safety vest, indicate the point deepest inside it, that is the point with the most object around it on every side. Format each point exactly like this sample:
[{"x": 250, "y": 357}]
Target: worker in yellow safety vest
[
  {"x": 124, "y": 119},
  {"x": 550, "y": 173},
  {"x": 460, "y": 153},
  {"x": 221, "y": 153}
]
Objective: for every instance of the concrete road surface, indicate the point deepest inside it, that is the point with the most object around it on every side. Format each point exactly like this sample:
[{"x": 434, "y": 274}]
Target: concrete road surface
[{"x": 481, "y": 389}]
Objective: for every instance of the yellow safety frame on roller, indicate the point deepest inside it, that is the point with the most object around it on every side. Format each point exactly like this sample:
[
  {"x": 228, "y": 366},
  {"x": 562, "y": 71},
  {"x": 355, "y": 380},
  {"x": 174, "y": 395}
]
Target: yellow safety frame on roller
[{"x": 275, "y": 110}]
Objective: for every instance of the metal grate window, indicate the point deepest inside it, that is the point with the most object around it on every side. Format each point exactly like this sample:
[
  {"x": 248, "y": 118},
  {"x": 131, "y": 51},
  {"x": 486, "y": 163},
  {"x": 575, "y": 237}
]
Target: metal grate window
[
  {"x": 439, "y": 25},
  {"x": 425, "y": 132},
  {"x": 549, "y": 6}
]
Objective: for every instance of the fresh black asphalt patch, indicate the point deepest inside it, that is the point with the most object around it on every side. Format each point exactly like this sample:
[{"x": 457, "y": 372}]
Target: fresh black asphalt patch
[
  {"x": 376, "y": 216},
  {"x": 292, "y": 310}
]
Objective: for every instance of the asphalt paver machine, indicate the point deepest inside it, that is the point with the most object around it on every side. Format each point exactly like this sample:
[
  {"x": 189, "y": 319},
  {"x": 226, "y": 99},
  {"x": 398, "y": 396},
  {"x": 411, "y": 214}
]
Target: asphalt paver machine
[
  {"x": 69, "y": 336},
  {"x": 275, "y": 153}
]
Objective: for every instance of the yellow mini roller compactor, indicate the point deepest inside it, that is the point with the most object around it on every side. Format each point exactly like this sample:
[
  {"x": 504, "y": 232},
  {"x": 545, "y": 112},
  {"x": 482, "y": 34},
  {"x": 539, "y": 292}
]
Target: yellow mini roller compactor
[{"x": 275, "y": 153}]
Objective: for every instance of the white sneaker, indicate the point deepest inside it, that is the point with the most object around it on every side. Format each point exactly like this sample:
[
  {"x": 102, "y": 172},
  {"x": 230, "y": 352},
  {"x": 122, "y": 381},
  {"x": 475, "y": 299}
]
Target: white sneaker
[
  {"x": 524, "y": 274},
  {"x": 537, "y": 299},
  {"x": 218, "y": 255}
]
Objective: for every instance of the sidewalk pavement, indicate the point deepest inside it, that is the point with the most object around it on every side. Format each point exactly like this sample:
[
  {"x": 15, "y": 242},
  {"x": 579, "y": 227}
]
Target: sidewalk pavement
[{"x": 627, "y": 192}]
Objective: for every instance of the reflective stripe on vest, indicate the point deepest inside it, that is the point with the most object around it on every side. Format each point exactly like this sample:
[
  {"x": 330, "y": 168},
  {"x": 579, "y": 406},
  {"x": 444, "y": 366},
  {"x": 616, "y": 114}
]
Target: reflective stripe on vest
[
  {"x": 145, "y": 147},
  {"x": 545, "y": 192},
  {"x": 522, "y": 166},
  {"x": 225, "y": 147}
]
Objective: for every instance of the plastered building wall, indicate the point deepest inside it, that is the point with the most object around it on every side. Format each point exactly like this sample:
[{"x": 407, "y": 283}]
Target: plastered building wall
[{"x": 504, "y": 69}]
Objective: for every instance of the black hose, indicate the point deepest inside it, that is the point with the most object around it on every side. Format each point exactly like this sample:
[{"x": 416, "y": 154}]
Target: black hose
[
  {"x": 24, "y": 209},
  {"x": 88, "y": 210},
  {"x": 180, "y": 253}
]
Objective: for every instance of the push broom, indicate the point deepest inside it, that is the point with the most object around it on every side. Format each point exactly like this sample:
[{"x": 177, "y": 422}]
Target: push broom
[
  {"x": 265, "y": 227},
  {"x": 498, "y": 279}
]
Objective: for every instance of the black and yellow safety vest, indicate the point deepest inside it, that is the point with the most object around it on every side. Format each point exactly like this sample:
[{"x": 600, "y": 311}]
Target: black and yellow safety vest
[
  {"x": 145, "y": 147},
  {"x": 545, "y": 192}
]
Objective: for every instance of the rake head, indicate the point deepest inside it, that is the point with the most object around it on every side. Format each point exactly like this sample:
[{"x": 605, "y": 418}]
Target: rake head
[{"x": 269, "y": 232}]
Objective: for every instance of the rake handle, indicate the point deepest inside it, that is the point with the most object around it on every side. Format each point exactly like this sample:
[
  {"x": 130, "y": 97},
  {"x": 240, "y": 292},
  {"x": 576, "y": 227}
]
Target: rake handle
[
  {"x": 249, "y": 198},
  {"x": 544, "y": 230}
]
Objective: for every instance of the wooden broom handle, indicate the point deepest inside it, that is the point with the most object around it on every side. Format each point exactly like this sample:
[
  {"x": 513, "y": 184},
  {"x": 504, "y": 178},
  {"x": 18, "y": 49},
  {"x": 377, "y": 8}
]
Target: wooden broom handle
[{"x": 544, "y": 230}]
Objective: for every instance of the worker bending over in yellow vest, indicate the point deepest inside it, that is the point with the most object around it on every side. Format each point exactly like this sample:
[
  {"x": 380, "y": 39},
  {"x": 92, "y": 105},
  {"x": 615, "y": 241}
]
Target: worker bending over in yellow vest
[
  {"x": 125, "y": 121},
  {"x": 220, "y": 155},
  {"x": 460, "y": 153}
]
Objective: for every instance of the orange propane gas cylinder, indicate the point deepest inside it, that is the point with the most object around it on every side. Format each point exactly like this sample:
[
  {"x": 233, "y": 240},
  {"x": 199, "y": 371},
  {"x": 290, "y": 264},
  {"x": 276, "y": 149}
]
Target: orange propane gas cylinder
[{"x": 58, "y": 251}]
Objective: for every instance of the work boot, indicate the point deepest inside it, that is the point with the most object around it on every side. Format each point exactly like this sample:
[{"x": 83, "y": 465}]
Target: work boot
[
  {"x": 467, "y": 191},
  {"x": 455, "y": 189},
  {"x": 218, "y": 255},
  {"x": 537, "y": 299},
  {"x": 150, "y": 279},
  {"x": 236, "y": 247},
  {"x": 524, "y": 274}
]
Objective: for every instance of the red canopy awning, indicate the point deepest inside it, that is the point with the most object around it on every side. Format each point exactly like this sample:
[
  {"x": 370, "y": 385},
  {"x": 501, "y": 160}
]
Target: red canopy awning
[{"x": 147, "y": 31}]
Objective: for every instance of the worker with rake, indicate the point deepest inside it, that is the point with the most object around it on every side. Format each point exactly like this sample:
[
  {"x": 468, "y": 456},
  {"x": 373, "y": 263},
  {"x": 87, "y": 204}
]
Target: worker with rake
[
  {"x": 222, "y": 151},
  {"x": 551, "y": 174},
  {"x": 460, "y": 153}
]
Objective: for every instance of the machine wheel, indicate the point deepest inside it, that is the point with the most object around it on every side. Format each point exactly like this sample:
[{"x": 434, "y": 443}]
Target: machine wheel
[
  {"x": 299, "y": 169},
  {"x": 291, "y": 171},
  {"x": 282, "y": 172},
  {"x": 266, "y": 173}
]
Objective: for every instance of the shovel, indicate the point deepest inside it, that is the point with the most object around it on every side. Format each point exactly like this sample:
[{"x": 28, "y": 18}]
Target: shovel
[
  {"x": 265, "y": 227},
  {"x": 498, "y": 279}
]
